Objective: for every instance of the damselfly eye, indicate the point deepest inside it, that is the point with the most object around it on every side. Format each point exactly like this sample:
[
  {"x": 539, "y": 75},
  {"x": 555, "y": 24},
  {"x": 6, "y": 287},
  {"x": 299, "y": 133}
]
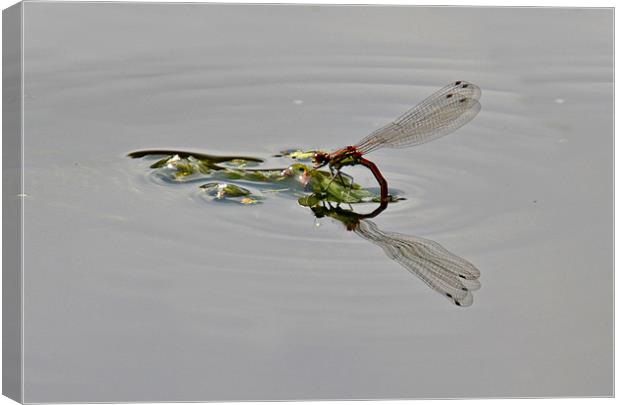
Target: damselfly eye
[{"x": 320, "y": 158}]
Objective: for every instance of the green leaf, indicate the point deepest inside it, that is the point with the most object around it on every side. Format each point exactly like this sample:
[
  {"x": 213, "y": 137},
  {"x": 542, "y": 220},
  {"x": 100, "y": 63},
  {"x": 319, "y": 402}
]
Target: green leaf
[{"x": 222, "y": 190}]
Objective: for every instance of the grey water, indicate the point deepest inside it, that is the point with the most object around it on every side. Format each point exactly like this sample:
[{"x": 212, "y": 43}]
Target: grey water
[{"x": 136, "y": 290}]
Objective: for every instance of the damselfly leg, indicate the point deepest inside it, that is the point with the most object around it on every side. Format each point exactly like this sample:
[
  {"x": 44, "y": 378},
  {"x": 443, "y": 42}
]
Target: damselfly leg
[{"x": 337, "y": 173}]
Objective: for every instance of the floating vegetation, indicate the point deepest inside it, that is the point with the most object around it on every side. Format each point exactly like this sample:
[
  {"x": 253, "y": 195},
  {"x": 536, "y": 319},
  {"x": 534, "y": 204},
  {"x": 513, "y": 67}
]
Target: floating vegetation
[
  {"x": 230, "y": 192},
  {"x": 297, "y": 154},
  {"x": 222, "y": 190},
  {"x": 178, "y": 169},
  {"x": 226, "y": 173}
]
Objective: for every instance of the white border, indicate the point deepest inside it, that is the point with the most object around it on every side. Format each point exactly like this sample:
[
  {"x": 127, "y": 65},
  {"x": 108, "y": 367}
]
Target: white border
[{"x": 544, "y": 3}]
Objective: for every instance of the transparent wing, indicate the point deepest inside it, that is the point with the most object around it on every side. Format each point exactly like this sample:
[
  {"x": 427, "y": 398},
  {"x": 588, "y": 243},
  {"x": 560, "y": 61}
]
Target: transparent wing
[
  {"x": 442, "y": 270},
  {"x": 440, "y": 114}
]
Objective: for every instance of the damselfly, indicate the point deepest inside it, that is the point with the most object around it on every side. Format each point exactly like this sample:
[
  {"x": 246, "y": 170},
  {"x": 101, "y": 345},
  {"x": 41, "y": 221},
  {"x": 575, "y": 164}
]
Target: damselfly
[{"x": 440, "y": 114}]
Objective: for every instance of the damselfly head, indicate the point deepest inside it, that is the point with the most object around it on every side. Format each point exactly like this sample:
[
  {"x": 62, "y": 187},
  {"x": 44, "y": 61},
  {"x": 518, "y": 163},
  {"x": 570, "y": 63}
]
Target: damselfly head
[
  {"x": 299, "y": 172},
  {"x": 320, "y": 159}
]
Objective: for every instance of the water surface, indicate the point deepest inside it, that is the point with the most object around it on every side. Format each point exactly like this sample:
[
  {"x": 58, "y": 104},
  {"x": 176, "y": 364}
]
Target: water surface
[{"x": 141, "y": 286}]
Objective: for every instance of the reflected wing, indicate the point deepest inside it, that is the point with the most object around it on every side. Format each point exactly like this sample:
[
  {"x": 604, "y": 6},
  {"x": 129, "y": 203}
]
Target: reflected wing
[
  {"x": 440, "y": 114},
  {"x": 439, "y": 268}
]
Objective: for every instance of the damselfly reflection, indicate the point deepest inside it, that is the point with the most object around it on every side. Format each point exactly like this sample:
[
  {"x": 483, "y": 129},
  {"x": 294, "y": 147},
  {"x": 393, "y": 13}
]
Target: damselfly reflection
[{"x": 442, "y": 270}]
